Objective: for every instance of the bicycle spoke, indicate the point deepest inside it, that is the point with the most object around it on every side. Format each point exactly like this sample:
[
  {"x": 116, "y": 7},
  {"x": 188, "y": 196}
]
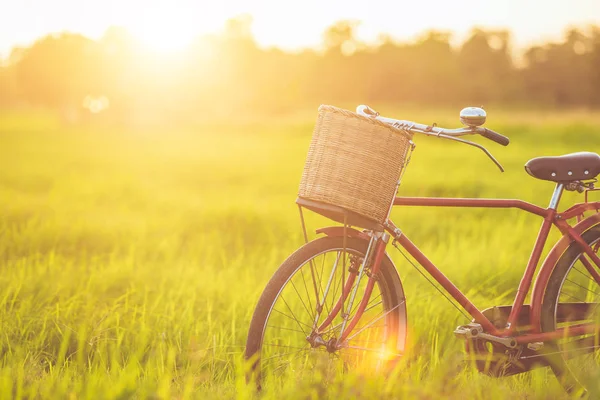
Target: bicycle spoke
[
  {"x": 323, "y": 302},
  {"x": 289, "y": 361},
  {"x": 292, "y": 312},
  {"x": 284, "y": 354},
  {"x": 299, "y": 297},
  {"x": 374, "y": 320},
  {"x": 286, "y": 347},
  {"x": 372, "y": 327},
  {"x": 331, "y": 296},
  {"x": 287, "y": 329},
  {"x": 573, "y": 297},
  {"x": 585, "y": 275},
  {"x": 584, "y": 288},
  {"x": 326, "y": 292},
  {"x": 369, "y": 341},
  {"x": 321, "y": 275},
  {"x": 341, "y": 282},
  {"x": 306, "y": 288},
  {"x": 312, "y": 273},
  {"x": 355, "y": 307},
  {"x": 379, "y": 351},
  {"x": 294, "y": 319},
  {"x": 368, "y": 304},
  {"x": 340, "y": 324}
]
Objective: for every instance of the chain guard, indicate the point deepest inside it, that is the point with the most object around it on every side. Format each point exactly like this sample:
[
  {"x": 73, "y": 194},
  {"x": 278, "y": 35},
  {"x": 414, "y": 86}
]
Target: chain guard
[{"x": 495, "y": 359}]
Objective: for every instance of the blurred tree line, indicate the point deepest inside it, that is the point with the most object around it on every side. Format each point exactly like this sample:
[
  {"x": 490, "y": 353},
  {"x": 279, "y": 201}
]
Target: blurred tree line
[{"x": 229, "y": 72}]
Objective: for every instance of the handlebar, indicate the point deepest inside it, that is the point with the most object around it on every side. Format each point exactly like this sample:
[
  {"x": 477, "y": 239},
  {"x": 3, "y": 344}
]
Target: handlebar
[
  {"x": 495, "y": 137},
  {"x": 444, "y": 133},
  {"x": 434, "y": 130}
]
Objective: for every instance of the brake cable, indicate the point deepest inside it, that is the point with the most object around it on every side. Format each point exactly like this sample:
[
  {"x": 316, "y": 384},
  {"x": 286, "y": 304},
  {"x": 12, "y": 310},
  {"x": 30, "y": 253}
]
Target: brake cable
[{"x": 430, "y": 281}]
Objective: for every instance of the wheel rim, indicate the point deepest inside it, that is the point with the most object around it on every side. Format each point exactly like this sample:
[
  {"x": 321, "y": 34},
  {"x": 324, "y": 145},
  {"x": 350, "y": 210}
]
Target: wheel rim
[
  {"x": 293, "y": 344},
  {"x": 580, "y": 353}
]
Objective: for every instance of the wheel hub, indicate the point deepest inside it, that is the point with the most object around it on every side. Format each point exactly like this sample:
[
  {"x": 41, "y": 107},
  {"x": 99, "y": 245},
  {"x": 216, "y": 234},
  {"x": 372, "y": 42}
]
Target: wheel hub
[{"x": 316, "y": 340}]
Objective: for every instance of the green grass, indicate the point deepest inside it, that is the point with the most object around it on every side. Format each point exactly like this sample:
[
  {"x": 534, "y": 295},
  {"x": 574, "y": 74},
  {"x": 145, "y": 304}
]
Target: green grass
[{"x": 131, "y": 259}]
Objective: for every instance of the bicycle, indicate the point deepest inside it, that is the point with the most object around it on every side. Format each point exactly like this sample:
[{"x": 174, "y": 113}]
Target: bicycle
[{"x": 338, "y": 300}]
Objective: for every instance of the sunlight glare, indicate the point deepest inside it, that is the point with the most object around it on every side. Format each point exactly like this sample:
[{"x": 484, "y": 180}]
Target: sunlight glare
[
  {"x": 166, "y": 28},
  {"x": 386, "y": 355}
]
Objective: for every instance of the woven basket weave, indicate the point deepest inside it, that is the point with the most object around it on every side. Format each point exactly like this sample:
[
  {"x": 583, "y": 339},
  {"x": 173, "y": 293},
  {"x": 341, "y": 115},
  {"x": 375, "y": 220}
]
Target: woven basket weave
[{"x": 353, "y": 164}]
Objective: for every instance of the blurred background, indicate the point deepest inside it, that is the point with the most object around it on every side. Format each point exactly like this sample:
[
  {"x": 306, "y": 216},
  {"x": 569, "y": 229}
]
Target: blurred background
[{"x": 165, "y": 61}]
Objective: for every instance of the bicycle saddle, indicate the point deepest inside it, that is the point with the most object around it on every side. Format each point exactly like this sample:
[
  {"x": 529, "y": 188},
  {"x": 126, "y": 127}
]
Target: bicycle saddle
[{"x": 570, "y": 167}]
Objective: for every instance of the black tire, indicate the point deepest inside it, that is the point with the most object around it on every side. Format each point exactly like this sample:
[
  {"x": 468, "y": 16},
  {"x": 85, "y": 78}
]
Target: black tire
[
  {"x": 387, "y": 281},
  {"x": 570, "y": 378}
]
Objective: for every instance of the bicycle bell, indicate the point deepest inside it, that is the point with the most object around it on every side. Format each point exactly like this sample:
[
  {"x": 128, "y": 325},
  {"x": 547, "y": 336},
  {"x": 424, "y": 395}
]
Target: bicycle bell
[{"x": 472, "y": 116}]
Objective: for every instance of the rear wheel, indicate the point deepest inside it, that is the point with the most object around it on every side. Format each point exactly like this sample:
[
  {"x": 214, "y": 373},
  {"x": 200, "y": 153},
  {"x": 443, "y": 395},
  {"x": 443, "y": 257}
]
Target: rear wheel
[
  {"x": 287, "y": 333},
  {"x": 572, "y": 297}
]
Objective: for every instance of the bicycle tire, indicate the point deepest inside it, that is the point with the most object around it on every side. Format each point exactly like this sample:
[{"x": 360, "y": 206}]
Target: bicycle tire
[{"x": 555, "y": 357}]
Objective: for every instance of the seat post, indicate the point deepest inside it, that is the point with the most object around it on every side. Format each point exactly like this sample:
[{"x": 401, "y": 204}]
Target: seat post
[{"x": 558, "y": 191}]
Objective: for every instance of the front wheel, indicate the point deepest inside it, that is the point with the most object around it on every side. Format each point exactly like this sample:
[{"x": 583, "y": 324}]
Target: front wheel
[{"x": 299, "y": 318}]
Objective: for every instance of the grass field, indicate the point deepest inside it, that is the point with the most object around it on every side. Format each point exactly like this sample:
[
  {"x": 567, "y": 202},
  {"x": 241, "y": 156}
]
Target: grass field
[{"x": 131, "y": 259}]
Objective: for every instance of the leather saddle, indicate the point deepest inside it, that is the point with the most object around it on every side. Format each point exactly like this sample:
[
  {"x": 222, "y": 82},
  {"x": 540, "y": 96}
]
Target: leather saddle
[{"x": 570, "y": 167}]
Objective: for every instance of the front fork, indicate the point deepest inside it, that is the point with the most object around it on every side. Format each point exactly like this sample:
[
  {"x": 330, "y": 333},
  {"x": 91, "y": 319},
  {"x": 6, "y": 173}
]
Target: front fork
[{"x": 375, "y": 251}]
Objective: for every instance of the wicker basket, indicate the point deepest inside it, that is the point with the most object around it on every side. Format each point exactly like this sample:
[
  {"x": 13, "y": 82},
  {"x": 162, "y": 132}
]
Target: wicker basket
[{"x": 353, "y": 168}]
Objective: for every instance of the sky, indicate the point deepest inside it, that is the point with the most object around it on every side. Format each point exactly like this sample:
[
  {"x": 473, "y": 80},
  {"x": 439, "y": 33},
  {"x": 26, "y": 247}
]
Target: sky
[{"x": 171, "y": 24}]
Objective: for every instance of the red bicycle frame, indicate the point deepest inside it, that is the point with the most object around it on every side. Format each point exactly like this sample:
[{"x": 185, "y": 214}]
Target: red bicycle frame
[{"x": 550, "y": 217}]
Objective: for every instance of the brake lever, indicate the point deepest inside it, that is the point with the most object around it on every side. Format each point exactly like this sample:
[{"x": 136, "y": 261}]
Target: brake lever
[{"x": 487, "y": 153}]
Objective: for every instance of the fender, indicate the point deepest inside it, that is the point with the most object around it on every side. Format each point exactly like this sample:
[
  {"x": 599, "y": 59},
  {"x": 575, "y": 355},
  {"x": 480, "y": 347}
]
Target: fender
[
  {"x": 339, "y": 231},
  {"x": 351, "y": 232},
  {"x": 539, "y": 288}
]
